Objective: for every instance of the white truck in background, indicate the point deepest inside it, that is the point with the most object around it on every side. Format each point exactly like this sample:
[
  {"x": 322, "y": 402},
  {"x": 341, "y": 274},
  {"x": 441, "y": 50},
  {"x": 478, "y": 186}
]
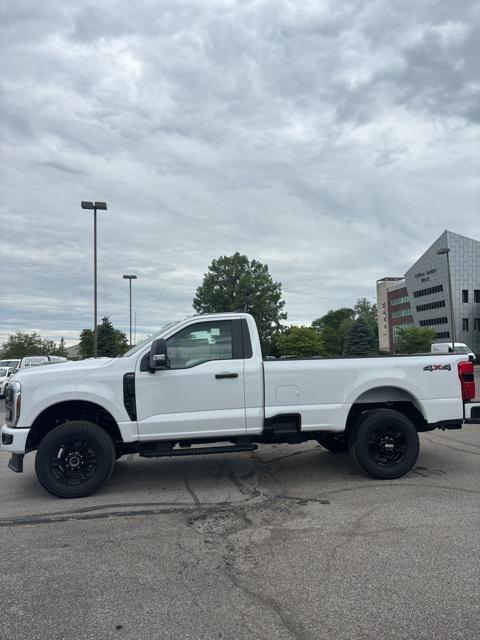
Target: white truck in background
[
  {"x": 31, "y": 361},
  {"x": 457, "y": 347},
  {"x": 201, "y": 386}
]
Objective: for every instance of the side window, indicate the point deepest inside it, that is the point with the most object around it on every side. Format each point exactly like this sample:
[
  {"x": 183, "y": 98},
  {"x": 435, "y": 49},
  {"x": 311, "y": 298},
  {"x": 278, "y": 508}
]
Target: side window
[{"x": 199, "y": 343}]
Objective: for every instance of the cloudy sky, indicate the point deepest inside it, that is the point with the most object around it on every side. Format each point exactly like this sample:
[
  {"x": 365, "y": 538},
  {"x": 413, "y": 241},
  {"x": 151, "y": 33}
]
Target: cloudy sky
[{"x": 334, "y": 140}]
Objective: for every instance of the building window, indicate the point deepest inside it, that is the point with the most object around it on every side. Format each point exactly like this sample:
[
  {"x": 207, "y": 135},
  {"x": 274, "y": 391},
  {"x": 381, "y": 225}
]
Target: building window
[
  {"x": 427, "y": 292},
  {"x": 464, "y": 324},
  {"x": 401, "y": 313},
  {"x": 433, "y": 321},
  {"x": 464, "y": 295},
  {"x": 476, "y": 324},
  {"x": 401, "y": 300},
  {"x": 476, "y": 295},
  {"x": 442, "y": 334},
  {"x": 431, "y": 305}
]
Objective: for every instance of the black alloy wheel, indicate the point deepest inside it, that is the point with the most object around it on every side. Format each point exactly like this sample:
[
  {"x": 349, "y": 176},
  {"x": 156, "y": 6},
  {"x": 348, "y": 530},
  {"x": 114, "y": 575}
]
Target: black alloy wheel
[
  {"x": 74, "y": 462},
  {"x": 74, "y": 459},
  {"x": 384, "y": 443},
  {"x": 387, "y": 445}
]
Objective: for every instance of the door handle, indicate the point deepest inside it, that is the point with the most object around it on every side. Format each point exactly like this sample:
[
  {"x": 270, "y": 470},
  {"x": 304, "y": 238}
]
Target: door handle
[{"x": 219, "y": 376}]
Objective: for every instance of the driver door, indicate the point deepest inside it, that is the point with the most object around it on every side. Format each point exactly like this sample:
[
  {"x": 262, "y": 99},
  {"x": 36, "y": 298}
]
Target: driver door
[{"x": 201, "y": 394}]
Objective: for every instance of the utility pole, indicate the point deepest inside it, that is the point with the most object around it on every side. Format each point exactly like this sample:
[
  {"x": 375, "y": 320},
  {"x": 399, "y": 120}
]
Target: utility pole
[
  {"x": 103, "y": 207},
  {"x": 130, "y": 278},
  {"x": 440, "y": 252}
]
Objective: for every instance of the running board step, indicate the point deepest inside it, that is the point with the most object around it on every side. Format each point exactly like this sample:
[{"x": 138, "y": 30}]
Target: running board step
[{"x": 196, "y": 451}]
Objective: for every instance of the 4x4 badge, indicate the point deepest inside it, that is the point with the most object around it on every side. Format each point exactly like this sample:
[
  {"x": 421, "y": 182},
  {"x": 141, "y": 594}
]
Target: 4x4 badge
[{"x": 437, "y": 367}]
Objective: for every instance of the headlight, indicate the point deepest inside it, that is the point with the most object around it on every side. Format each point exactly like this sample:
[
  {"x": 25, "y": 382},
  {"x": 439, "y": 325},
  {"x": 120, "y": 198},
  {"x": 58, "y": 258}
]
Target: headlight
[{"x": 13, "y": 402}]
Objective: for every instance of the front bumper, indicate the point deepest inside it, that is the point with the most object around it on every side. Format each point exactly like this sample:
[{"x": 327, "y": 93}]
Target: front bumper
[
  {"x": 13, "y": 440},
  {"x": 472, "y": 413}
]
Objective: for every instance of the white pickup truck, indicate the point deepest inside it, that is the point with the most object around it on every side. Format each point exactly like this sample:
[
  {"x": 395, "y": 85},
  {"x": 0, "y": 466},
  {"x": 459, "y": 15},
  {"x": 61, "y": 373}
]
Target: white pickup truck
[{"x": 200, "y": 386}]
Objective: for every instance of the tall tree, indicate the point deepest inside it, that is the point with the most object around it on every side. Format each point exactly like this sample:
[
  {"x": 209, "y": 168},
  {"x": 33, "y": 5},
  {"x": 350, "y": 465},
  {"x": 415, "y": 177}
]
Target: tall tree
[
  {"x": 60, "y": 350},
  {"x": 333, "y": 319},
  {"x": 368, "y": 311},
  {"x": 299, "y": 341},
  {"x": 360, "y": 340},
  {"x": 415, "y": 339},
  {"x": 333, "y": 327},
  {"x": 86, "y": 344},
  {"x": 234, "y": 283},
  {"x": 111, "y": 342},
  {"x": 21, "y": 344}
]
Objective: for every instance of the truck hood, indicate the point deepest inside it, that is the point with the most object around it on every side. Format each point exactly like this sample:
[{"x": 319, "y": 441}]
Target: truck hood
[{"x": 62, "y": 368}]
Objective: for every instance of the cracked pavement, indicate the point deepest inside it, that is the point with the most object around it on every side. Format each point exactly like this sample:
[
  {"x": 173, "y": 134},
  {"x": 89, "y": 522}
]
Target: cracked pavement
[{"x": 288, "y": 542}]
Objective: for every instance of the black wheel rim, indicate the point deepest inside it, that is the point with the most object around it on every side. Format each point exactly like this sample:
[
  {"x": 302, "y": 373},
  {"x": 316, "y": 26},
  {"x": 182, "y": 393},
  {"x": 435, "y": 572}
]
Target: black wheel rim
[
  {"x": 74, "y": 462},
  {"x": 387, "y": 445}
]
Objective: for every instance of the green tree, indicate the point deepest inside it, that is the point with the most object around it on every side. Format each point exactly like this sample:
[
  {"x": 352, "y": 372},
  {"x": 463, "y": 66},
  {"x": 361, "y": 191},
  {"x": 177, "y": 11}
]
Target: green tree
[
  {"x": 121, "y": 342},
  {"x": 111, "y": 342},
  {"x": 86, "y": 344},
  {"x": 415, "y": 339},
  {"x": 21, "y": 344},
  {"x": 360, "y": 340},
  {"x": 235, "y": 283},
  {"x": 333, "y": 327},
  {"x": 368, "y": 311},
  {"x": 333, "y": 319},
  {"x": 60, "y": 350},
  {"x": 299, "y": 341}
]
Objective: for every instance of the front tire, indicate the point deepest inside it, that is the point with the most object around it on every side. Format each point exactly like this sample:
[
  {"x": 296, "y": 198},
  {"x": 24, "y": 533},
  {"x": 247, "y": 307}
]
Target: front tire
[
  {"x": 384, "y": 443},
  {"x": 75, "y": 459}
]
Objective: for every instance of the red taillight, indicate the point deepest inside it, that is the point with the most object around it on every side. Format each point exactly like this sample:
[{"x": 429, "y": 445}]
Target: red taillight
[{"x": 467, "y": 380}]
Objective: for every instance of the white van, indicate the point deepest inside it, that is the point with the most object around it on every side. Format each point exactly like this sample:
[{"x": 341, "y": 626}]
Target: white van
[
  {"x": 36, "y": 361},
  {"x": 447, "y": 347}
]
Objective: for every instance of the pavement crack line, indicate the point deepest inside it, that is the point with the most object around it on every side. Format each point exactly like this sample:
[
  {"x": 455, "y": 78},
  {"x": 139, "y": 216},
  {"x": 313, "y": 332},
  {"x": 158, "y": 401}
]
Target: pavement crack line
[
  {"x": 195, "y": 498},
  {"x": 243, "y": 488},
  {"x": 295, "y": 627}
]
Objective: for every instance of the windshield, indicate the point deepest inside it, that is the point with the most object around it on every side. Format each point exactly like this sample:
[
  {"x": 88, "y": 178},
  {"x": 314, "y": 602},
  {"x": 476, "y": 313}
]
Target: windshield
[
  {"x": 462, "y": 349},
  {"x": 149, "y": 338},
  {"x": 3, "y": 373},
  {"x": 9, "y": 363}
]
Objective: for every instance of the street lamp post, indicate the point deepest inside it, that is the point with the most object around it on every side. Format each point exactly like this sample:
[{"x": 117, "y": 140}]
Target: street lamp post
[
  {"x": 441, "y": 252},
  {"x": 101, "y": 206},
  {"x": 130, "y": 278}
]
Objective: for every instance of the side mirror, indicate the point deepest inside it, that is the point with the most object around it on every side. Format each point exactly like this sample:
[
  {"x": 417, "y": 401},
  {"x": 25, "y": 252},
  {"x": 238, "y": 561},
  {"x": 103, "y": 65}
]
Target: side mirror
[{"x": 158, "y": 355}]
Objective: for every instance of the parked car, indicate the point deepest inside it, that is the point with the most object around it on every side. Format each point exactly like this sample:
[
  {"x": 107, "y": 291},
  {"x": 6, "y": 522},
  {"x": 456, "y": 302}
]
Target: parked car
[
  {"x": 5, "y": 374},
  {"x": 10, "y": 363},
  {"x": 448, "y": 347},
  {"x": 201, "y": 384}
]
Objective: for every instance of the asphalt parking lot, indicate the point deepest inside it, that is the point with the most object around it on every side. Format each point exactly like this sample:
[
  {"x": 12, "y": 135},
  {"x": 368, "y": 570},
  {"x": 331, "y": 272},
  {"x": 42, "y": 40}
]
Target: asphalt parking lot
[{"x": 287, "y": 542}]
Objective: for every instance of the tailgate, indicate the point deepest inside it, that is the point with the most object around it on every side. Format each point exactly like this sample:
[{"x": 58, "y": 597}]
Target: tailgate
[{"x": 472, "y": 413}]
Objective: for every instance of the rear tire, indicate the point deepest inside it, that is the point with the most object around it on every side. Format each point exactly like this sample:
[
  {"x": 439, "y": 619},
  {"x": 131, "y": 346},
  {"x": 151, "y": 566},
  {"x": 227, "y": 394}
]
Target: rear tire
[
  {"x": 384, "y": 443},
  {"x": 75, "y": 459},
  {"x": 334, "y": 443}
]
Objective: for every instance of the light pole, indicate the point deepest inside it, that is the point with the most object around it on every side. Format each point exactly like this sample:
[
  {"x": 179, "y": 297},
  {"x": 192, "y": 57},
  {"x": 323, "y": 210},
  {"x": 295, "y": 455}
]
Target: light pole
[
  {"x": 130, "y": 278},
  {"x": 102, "y": 206},
  {"x": 441, "y": 252}
]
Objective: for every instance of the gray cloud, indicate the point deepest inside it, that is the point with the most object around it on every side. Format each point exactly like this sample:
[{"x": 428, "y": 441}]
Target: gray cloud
[{"x": 332, "y": 140}]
